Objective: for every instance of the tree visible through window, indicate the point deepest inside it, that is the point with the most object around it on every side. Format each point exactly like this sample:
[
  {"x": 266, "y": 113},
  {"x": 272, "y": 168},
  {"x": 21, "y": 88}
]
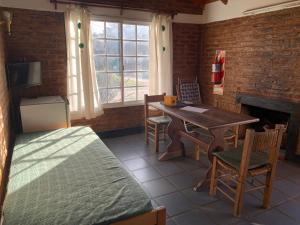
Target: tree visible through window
[{"x": 121, "y": 55}]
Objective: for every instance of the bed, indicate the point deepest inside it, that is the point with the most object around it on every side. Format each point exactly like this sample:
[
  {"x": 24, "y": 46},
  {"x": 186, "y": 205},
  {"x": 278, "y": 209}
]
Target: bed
[{"x": 68, "y": 176}]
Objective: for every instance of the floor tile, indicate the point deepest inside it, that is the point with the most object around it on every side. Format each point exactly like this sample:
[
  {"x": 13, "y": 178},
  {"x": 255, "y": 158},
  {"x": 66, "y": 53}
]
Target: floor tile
[
  {"x": 251, "y": 205},
  {"x": 175, "y": 203},
  {"x": 187, "y": 163},
  {"x": 246, "y": 222},
  {"x": 153, "y": 159},
  {"x": 273, "y": 217},
  {"x": 221, "y": 212},
  {"x": 183, "y": 180},
  {"x": 168, "y": 168},
  {"x": 198, "y": 198},
  {"x": 170, "y": 222},
  {"x": 159, "y": 187},
  {"x": 146, "y": 174},
  {"x": 194, "y": 217},
  {"x": 289, "y": 188},
  {"x": 135, "y": 164},
  {"x": 126, "y": 155},
  {"x": 294, "y": 178},
  {"x": 199, "y": 174},
  {"x": 277, "y": 197},
  {"x": 284, "y": 169},
  {"x": 292, "y": 209}
]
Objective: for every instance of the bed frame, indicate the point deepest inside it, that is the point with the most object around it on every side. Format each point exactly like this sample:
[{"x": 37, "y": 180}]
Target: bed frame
[{"x": 156, "y": 217}]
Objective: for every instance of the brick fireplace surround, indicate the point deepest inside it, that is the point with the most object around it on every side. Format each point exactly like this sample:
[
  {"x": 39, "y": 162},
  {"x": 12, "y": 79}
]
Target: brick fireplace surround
[{"x": 262, "y": 57}]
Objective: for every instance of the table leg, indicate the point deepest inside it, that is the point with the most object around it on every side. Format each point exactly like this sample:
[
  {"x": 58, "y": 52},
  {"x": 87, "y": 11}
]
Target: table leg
[
  {"x": 216, "y": 145},
  {"x": 176, "y": 147}
]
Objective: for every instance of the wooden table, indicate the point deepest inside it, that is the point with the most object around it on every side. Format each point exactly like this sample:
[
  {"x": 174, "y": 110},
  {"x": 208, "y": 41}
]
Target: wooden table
[{"x": 216, "y": 121}]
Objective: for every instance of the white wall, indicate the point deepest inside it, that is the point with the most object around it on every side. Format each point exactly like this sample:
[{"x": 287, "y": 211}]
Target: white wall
[{"x": 215, "y": 11}]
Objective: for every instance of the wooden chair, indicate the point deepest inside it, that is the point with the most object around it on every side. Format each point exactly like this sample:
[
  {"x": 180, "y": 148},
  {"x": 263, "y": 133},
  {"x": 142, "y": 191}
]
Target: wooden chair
[
  {"x": 231, "y": 169},
  {"x": 188, "y": 90},
  {"x": 155, "y": 125},
  {"x": 231, "y": 135}
]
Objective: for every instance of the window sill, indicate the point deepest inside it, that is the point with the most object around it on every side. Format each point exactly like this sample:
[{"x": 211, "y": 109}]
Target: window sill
[{"x": 121, "y": 105}]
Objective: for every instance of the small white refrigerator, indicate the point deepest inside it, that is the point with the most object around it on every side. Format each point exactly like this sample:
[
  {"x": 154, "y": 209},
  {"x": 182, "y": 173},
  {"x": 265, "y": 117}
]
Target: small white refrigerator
[{"x": 44, "y": 113}]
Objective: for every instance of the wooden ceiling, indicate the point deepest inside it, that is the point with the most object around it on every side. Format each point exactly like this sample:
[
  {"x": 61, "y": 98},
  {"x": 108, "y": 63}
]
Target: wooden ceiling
[{"x": 160, "y": 6}]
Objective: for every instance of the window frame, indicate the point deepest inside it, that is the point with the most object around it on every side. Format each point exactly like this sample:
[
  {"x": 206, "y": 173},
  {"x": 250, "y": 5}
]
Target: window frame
[{"x": 121, "y": 22}]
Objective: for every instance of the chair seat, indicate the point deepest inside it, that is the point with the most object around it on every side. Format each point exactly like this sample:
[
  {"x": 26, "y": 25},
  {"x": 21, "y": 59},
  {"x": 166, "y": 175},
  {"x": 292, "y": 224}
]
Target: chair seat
[
  {"x": 159, "y": 119},
  {"x": 233, "y": 157}
]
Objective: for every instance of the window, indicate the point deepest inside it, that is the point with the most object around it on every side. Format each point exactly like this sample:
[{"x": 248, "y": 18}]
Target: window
[{"x": 121, "y": 55}]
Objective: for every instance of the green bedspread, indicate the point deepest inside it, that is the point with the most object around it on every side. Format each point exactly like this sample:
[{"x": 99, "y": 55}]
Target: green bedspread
[{"x": 68, "y": 176}]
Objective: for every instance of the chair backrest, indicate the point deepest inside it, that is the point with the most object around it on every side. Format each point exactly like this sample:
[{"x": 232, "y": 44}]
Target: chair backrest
[
  {"x": 188, "y": 90},
  {"x": 151, "y": 98},
  {"x": 268, "y": 142}
]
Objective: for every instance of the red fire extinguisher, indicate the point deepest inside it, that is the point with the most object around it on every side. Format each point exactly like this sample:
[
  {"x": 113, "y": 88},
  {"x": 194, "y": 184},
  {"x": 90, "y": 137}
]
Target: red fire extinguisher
[{"x": 217, "y": 70}]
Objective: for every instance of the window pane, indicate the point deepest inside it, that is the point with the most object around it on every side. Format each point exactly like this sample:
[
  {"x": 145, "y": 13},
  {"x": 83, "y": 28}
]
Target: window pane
[
  {"x": 99, "y": 46},
  {"x": 129, "y": 32},
  {"x": 114, "y": 80},
  {"x": 129, "y": 63},
  {"x": 112, "y": 30},
  {"x": 103, "y": 95},
  {"x": 142, "y": 63},
  {"x": 143, "y": 48},
  {"x": 129, "y": 48},
  {"x": 142, "y": 32},
  {"x": 73, "y": 48},
  {"x": 73, "y": 103},
  {"x": 72, "y": 30},
  {"x": 99, "y": 63},
  {"x": 130, "y": 94},
  {"x": 141, "y": 92},
  {"x": 113, "y": 64},
  {"x": 74, "y": 66},
  {"x": 143, "y": 78},
  {"x": 97, "y": 29},
  {"x": 114, "y": 95},
  {"x": 113, "y": 47},
  {"x": 129, "y": 79},
  {"x": 101, "y": 80}
]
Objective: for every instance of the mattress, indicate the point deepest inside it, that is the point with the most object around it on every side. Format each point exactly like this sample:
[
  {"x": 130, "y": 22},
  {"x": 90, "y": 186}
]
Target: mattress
[{"x": 68, "y": 176}]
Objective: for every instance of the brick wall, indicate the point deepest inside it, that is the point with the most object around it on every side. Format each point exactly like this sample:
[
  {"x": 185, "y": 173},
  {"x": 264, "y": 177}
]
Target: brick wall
[
  {"x": 4, "y": 118},
  {"x": 40, "y": 36},
  {"x": 262, "y": 55},
  {"x": 186, "y": 48},
  {"x": 116, "y": 118}
]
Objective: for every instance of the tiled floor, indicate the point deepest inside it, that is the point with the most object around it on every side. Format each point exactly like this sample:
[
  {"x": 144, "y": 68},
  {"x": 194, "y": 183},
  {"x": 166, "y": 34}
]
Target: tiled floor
[{"x": 170, "y": 184}]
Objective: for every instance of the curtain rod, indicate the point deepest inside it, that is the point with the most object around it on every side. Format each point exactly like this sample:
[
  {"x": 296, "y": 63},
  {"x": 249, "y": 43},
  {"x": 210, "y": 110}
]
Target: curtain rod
[{"x": 67, "y": 2}]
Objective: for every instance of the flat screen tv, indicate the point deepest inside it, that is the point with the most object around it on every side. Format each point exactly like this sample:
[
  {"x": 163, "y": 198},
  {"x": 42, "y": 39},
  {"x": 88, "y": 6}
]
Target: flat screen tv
[{"x": 24, "y": 74}]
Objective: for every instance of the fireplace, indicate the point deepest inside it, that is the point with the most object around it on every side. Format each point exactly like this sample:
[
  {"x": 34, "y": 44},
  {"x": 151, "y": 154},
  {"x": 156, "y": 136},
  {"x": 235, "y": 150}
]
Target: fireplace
[
  {"x": 273, "y": 111},
  {"x": 267, "y": 120}
]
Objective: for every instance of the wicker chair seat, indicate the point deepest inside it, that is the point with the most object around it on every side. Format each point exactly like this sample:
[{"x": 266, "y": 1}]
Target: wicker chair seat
[
  {"x": 159, "y": 119},
  {"x": 233, "y": 157}
]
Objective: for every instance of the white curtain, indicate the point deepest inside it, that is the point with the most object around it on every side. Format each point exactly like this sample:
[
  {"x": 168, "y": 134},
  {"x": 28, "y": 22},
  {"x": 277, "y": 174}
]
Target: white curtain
[
  {"x": 82, "y": 83},
  {"x": 161, "y": 55}
]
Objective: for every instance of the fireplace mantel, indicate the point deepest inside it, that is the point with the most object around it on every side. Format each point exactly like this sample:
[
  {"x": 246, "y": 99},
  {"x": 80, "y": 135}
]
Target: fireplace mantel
[{"x": 280, "y": 105}]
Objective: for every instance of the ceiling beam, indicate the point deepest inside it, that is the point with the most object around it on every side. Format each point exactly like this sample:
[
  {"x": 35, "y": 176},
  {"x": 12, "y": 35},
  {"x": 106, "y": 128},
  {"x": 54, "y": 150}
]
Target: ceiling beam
[{"x": 224, "y": 1}]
